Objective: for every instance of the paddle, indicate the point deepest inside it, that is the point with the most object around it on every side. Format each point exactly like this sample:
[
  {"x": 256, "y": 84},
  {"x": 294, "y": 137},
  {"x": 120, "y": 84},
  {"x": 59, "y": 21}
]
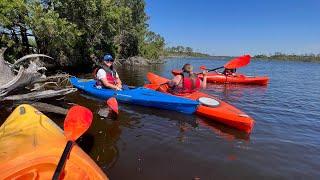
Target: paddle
[
  {"x": 113, "y": 105},
  {"x": 77, "y": 121},
  {"x": 233, "y": 63}
]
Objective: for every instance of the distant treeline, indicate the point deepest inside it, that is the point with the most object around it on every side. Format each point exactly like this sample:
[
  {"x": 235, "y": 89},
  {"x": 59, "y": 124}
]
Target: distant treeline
[
  {"x": 76, "y": 31},
  {"x": 183, "y": 51},
  {"x": 282, "y": 56}
]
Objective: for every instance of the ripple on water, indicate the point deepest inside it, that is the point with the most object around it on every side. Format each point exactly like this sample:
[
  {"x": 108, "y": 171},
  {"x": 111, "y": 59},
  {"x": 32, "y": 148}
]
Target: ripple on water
[{"x": 159, "y": 144}]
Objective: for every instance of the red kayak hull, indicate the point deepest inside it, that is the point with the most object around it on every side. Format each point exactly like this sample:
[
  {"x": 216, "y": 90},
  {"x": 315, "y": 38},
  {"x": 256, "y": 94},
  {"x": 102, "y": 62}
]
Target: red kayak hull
[
  {"x": 224, "y": 113},
  {"x": 213, "y": 77}
]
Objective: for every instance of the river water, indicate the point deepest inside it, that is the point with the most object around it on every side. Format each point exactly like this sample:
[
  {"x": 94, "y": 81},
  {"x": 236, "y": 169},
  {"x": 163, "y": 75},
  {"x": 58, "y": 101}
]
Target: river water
[{"x": 147, "y": 143}]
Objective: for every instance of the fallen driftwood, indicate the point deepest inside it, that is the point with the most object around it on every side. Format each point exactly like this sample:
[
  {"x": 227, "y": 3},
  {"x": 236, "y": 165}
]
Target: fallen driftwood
[
  {"x": 38, "y": 86},
  {"x": 60, "y": 80},
  {"x": 44, "y": 107},
  {"x": 23, "y": 78},
  {"x": 30, "y": 77},
  {"x": 5, "y": 70},
  {"x": 40, "y": 95},
  {"x": 28, "y": 57}
]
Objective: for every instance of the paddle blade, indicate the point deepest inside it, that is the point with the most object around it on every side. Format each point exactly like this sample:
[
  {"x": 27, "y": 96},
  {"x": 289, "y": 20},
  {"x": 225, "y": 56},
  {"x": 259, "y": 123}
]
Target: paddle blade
[
  {"x": 203, "y": 67},
  {"x": 77, "y": 121},
  {"x": 112, "y": 103},
  {"x": 238, "y": 62}
]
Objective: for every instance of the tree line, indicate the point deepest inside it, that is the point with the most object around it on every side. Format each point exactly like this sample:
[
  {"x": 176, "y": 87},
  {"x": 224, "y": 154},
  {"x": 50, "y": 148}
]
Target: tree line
[
  {"x": 73, "y": 32},
  {"x": 183, "y": 51},
  {"x": 283, "y": 56}
]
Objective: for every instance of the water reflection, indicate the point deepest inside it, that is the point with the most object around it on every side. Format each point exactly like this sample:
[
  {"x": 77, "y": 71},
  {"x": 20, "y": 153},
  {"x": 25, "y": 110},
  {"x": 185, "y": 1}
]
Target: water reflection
[
  {"x": 235, "y": 91},
  {"x": 227, "y": 133},
  {"x": 104, "y": 137},
  {"x": 142, "y": 142},
  {"x": 136, "y": 75}
]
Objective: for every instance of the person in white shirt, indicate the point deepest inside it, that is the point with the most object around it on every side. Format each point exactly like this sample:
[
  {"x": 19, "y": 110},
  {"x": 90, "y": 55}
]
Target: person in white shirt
[{"x": 106, "y": 75}]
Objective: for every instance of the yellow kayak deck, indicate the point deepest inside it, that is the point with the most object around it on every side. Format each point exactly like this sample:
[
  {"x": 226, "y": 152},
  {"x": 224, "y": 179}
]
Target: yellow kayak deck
[{"x": 31, "y": 146}]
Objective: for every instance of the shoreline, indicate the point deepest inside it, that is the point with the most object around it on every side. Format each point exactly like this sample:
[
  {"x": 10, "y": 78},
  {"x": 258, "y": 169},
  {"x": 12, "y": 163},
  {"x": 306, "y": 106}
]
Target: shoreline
[
  {"x": 186, "y": 56},
  {"x": 305, "y": 59}
]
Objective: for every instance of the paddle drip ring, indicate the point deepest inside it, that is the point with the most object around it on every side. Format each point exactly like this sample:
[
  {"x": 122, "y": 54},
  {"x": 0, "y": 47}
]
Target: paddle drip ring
[{"x": 209, "y": 102}]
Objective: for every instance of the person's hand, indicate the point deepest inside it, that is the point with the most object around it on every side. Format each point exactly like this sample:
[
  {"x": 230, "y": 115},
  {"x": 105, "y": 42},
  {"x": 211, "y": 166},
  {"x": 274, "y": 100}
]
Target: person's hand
[
  {"x": 204, "y": 72},
  {"x": 171, "y": 83},
  {"x": 118, "y": 88}
]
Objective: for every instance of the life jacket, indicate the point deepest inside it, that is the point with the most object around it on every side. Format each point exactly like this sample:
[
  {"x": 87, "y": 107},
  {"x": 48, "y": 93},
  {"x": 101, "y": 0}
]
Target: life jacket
[
  {"x": 189, "y": 83},
  {"x": 111, "y": 75}
]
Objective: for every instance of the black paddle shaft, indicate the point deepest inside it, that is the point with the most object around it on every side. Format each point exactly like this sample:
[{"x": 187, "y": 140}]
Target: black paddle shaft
[
  {"x": 62, "y": 161},
  {"x": 209, "y": 70},
  {"x": 215, "y": 69}
]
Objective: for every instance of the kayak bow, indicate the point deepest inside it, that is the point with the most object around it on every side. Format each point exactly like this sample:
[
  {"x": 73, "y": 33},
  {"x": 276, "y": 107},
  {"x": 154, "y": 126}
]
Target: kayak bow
[
  {"x": 222, "y": 112},
  {"x": 31, "y": 145},
  {"x": 138, "y": 96},
  {"x": 214, "y": 77}
]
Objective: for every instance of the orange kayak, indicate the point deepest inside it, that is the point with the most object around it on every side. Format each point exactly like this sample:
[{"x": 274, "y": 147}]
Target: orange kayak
[
  {"x": 31, "y": 146},
  {"x": 221, "y": 112},
  {"x": 215, "y": 77}
]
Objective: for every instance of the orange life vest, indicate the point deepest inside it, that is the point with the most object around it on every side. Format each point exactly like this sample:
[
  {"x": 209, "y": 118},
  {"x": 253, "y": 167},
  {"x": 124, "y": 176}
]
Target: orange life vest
[{"x": 190, "y": 83}]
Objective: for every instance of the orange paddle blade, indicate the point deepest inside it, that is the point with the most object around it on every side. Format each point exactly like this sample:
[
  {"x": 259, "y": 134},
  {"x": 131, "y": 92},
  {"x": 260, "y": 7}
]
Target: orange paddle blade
[
  {"x": 113, "y": 104},
  {"x": 203, "y": 67},
  {"x": 238, "y": 62},
  {"x": 77, "y": 121}
]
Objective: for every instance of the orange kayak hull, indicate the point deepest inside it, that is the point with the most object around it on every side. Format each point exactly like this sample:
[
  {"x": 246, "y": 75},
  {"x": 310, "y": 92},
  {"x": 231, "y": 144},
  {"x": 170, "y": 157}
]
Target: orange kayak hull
[
  {"x": 31, "y": 146},
  {"x": 224, "y": 113},
  {"x": 213, "y": 77}
]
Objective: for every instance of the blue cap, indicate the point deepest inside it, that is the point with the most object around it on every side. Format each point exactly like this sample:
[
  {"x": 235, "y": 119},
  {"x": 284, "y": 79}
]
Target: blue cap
[{"x": 108, "y": 57}]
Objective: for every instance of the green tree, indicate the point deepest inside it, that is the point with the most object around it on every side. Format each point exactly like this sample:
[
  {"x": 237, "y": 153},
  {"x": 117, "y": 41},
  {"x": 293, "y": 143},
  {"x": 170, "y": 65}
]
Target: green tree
[
  {"x": 53, "y": 35},
  {"x": 153, "y": 46},
  {"x": 13, "y": 26},
  {"x": 189, "y": 50},
  {"x": 75, "y": 31},
  {"x": 180, "y": 49}
]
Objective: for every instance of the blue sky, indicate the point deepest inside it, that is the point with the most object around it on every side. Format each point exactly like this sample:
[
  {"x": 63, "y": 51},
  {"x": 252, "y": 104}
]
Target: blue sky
[{"x": 235, "y": 27}]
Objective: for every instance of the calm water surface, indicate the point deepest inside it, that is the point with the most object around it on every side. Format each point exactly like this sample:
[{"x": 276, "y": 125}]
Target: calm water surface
[{"x": 147, "y": 143}]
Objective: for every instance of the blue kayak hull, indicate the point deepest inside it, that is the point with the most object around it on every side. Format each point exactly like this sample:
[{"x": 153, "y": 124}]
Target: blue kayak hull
[{"x": 139, "y": 96}]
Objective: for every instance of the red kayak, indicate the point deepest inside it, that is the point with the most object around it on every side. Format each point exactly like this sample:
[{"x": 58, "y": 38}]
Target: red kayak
[
  {"x": 209, "y": 107},
  {"x": 215, "y": 77}
]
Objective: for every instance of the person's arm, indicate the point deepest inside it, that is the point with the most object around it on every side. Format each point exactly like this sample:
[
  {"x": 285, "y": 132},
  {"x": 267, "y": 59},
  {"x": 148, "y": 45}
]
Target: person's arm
[
  {"x": 101, "y": 75},
  {"x": 204, "y": 80},
  {"x": 175, "y": 81},
  {"x": 109, "y": 85},
  {"x": 118, "y": 81}
]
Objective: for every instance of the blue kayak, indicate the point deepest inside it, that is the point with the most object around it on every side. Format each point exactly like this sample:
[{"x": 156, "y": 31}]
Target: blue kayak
[{"x": 139, "y": 96}]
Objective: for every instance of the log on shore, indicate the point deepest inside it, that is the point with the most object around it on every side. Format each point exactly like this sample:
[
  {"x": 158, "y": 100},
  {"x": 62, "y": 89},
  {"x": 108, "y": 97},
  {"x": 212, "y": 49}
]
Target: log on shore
[{"x": 39, "y": 95}]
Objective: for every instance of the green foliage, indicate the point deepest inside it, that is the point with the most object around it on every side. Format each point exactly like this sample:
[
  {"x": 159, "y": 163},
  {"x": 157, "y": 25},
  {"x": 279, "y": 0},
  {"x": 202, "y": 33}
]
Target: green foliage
[
  {"x": 153, "y": 46},
  {"x": 183, "y": 51},
  {"x": 12, "y": 26},
  {"x": 293, "y": 57},
  {"x": 74, "y": 31},
  {"x": 53, "y": 35}
]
